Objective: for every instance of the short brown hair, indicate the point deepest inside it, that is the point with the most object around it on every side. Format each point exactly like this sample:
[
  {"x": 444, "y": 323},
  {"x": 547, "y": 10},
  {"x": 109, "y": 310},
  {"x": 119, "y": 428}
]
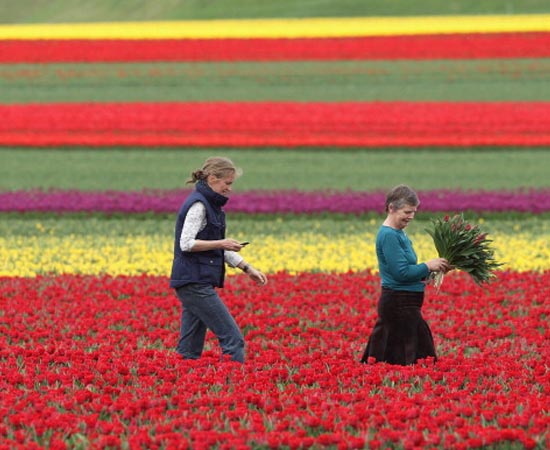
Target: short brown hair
[{"x": 400, "y": 196}]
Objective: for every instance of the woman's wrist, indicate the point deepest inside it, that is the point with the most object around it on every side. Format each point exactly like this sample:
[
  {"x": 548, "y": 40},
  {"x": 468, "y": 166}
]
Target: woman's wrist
[{"x": 245, "y": 267}]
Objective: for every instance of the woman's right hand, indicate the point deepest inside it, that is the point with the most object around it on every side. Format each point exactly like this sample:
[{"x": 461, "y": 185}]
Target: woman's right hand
[
  {"x": 438, "y": 265},
  {"x": 231, "y": 244}
]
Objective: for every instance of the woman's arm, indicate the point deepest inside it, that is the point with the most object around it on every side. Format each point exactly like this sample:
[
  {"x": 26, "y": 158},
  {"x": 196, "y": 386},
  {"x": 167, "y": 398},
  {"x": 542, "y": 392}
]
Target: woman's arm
[
  {"x": 195, "y": 221},
  {"x": 402, "y": 269}
]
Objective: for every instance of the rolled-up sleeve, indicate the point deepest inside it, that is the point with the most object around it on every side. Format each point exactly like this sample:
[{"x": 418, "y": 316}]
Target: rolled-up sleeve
[
  {"x": 195, "y": 221},
  {"x": 233, "y": 259}
]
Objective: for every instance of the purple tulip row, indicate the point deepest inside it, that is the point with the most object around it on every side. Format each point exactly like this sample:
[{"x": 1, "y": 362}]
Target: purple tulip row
[{"x": 162, "y": 201}]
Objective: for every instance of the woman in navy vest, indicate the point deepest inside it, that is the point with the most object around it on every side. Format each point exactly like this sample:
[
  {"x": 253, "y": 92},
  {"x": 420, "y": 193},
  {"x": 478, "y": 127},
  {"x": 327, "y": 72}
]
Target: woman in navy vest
[
  {"x": 200, "y": 253},
  {"x": 401, "y": 335}
]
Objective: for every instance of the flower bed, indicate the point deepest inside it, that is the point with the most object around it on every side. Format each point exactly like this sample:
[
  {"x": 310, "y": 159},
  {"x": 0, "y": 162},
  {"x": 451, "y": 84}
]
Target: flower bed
[
  {"x": 98, "y": 369},
  {"x": 88, "y": 324},
  {"x": 130, "y": 246},
  {"x": 285, "y": 124},
  {"x": 534, "y": 201},
  {"x": 479, "y": 45},
  {"x": 283, "y": 27}
]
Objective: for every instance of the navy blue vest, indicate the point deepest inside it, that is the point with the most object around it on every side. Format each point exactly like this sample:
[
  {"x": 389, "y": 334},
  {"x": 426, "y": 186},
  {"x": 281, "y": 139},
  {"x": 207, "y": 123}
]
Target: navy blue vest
[{"x": 206, "y": 267}]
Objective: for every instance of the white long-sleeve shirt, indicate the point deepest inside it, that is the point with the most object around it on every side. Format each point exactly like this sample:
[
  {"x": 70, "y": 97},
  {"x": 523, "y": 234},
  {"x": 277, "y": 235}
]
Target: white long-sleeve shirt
[{"x": 195, "y": 221}]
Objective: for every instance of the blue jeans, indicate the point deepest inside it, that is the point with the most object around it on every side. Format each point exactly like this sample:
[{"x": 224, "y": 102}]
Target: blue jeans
[{"x": 203, "y": 309}]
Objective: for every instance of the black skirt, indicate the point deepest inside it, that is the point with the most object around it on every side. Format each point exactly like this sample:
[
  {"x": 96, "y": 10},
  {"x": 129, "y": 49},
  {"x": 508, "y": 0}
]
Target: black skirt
[{"x": 400, "y": 335}]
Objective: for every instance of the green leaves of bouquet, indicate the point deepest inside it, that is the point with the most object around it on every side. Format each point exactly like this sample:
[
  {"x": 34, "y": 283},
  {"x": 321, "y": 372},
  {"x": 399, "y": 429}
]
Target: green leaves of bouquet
[{"x": 464, "y": 246}]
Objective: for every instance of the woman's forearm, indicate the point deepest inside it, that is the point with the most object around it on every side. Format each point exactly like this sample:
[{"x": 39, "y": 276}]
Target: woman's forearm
[{"x": 202, "y": 246}]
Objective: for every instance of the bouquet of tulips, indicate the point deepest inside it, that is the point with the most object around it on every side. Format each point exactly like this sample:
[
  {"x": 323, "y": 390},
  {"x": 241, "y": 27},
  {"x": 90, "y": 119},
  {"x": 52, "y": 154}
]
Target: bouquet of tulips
[{"x": 464, "y": 246}]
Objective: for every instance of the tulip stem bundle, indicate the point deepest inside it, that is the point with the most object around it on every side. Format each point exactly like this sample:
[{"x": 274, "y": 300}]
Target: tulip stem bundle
[{"x": 465, "y": 246}]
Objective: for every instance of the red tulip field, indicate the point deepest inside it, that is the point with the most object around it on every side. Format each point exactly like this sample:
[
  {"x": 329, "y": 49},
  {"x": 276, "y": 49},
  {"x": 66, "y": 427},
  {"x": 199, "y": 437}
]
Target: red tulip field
[
  {"x": 87, "y": 358},
  {"x": 103, "y": 120}
]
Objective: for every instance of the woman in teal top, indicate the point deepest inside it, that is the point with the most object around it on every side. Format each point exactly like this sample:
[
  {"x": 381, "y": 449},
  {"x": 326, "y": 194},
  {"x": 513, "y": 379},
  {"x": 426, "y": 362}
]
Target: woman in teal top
[
  {"x": 397, "y": 261},
  {"x": 401, "y": 335}
]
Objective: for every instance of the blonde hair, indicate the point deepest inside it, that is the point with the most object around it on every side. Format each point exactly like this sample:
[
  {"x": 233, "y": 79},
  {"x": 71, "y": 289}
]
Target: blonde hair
[
  {"x": 218, "y": 166},
  {"x": 401, "y": 196}
]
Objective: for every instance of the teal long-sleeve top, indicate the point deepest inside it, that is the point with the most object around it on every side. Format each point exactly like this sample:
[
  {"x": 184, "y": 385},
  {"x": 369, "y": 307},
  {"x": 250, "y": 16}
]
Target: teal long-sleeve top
[{"x": 397, "y": 261}]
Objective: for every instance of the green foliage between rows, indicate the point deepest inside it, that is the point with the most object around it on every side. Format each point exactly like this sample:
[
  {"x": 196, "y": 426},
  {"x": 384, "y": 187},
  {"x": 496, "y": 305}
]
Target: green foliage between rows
[
  {"x": 267, "y": 169},
  {"x": 447, "y": 80},
  {"x": 79, "y": 224},
  {"x": 56, "y": 11}
]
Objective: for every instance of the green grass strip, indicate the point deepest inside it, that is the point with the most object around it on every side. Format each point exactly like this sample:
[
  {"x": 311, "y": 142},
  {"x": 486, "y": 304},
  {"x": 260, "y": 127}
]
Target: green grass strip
[
  {"x": 266, "y": 169},
  {"x": 452, "y": 80},
  {"x": 120, "y": 225},
  {"x": 59, "y": 11}
]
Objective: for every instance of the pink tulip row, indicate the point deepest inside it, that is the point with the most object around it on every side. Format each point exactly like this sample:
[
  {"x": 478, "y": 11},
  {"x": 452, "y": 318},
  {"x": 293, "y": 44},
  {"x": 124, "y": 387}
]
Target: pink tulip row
[{"x": 254, "y": 202}]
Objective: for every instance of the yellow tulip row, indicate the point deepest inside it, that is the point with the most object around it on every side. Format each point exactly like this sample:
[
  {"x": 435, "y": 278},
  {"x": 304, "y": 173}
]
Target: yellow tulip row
[
  {"x": 282, "y": 28},
  {"x": 299, "y": 252}
]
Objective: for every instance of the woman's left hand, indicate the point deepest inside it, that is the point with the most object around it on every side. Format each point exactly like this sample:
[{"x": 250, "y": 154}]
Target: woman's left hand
[{"x": 257, "y": 276}]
